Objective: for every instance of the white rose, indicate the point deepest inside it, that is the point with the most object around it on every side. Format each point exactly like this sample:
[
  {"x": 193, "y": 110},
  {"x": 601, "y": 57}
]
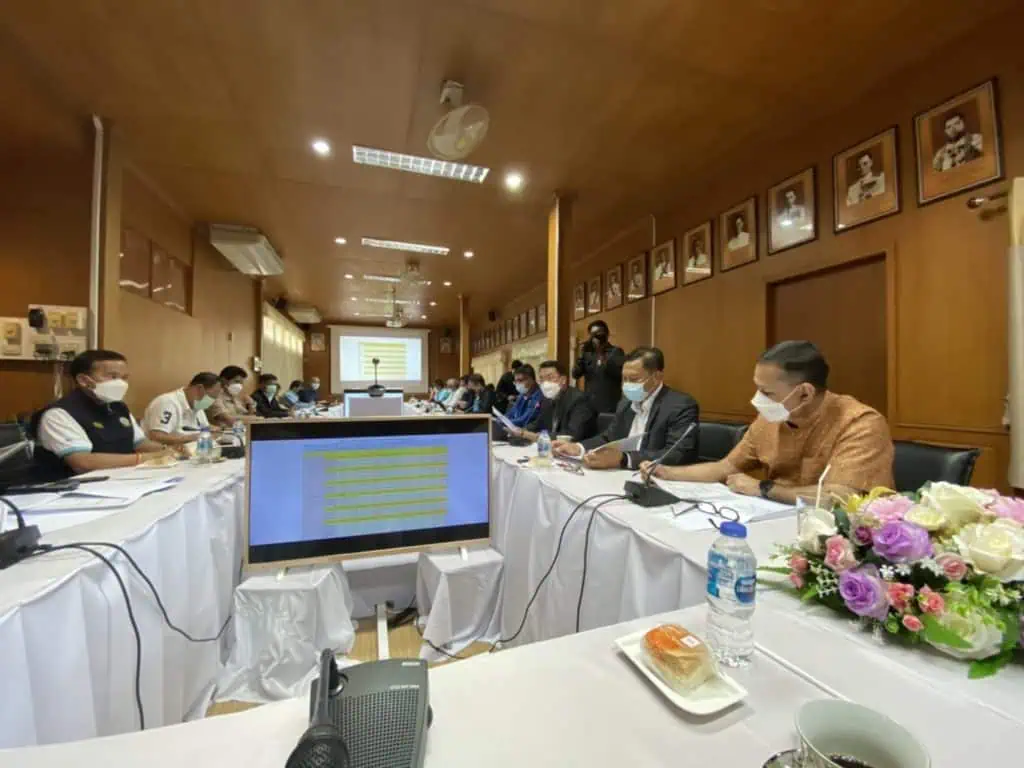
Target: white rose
[
  {"x": 985, "y": 639},
  {"x": 815, "y": 523},
  {"x": 958, "y": 503},
  {"x": 929, "y": 518},
  {"x": 995, "y": 548}
]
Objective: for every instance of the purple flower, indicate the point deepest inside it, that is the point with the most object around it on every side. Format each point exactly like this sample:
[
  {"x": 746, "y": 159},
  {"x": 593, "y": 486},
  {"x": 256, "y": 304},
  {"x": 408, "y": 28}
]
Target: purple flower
[
  {"x": 1007, "y": 506},
  {"x": 863, "y": 535},
  {"x": 902, "y": 542},
  {"x": 864, "y": 592}
]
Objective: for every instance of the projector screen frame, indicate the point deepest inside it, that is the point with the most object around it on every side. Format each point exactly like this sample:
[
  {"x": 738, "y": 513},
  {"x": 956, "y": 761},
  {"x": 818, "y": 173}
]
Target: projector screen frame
[
  {"x": 275, "y": 425},
  {"x": 413, "y": 386}
]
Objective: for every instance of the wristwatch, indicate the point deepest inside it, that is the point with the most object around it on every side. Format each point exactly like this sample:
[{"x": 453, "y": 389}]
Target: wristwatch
[{"x": 766, "y": 488}]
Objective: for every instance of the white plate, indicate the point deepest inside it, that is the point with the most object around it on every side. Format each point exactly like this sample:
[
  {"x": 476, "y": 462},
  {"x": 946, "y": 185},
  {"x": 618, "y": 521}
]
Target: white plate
[{"x": 713, "y": 696}]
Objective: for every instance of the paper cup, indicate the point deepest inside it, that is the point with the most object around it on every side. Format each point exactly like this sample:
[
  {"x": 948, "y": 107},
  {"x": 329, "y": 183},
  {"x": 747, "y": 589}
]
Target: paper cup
[{"x": 830, "y": 727}]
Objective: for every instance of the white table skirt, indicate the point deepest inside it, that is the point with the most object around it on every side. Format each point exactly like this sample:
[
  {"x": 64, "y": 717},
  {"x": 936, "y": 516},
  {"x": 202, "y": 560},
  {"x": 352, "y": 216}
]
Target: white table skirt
[
  {"x": 635, "y": 565},
  {"x": 67, "y": 652},
  {"x": 576, "y": 701}
]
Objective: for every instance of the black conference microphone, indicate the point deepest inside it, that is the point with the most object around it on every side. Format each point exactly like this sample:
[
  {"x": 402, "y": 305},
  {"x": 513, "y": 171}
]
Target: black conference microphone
[
  {"x": 375, "y": 389},
  {"x": 647, "y": 494},
  {"x": 18, "y": 544},
  {"x": 322, "y": 745}
]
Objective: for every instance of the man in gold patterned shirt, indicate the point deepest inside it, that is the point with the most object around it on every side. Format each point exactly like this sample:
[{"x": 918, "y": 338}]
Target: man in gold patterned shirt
[{"x": 801, "y": 428}]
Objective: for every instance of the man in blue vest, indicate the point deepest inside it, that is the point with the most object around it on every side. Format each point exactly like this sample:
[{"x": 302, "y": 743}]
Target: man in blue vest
[{"x": 91, "y": 428}]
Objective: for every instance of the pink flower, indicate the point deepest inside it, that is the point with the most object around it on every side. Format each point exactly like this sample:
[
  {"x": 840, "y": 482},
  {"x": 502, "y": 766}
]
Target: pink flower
[
  {"x": 912, "y": 623},
  {"x": 839, "y": 553},
  {"x": 798, "y": 563},
  {"x": 1006, "y": 506},
  {"x": 888, "y": 509},
  {"x": 862, "y": 534},
  {"x": 953, "y": 565},
  {"x": 797, "y": 580},
  {"x": 931, "y": 601},
  {"x": 899, "y": 595}
]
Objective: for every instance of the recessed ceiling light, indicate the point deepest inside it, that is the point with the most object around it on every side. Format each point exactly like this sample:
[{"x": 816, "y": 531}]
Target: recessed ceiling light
[
  {"x": 447, "y": 283},
  {"x": 429, "y": 282},
  {"x": 423, "y": 317},
  {"x": 353, "y": 298},
  {"x": 433, "y": 303},
  {"x": 427, "y": 166},
  {"x": 321, "y": 146},
  {"x": 340, "y": 240},
  {"x": 348, "y": 276},
  {"x": 356, "y": 314},
  {"x": 398, "y": 245},
  {"x": 514, "y": 181},
  {"x": 468, "y": 254}
]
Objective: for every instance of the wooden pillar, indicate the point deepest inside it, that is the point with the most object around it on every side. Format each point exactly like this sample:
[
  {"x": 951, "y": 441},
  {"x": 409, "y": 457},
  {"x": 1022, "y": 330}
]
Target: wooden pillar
[
  {"x": 110, "y": 198},
  {"x": 464, "y": 343},
  {"x": 559, "y": 300}
]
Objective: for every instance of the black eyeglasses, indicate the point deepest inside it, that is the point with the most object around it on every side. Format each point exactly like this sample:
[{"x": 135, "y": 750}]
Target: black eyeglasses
[{"x": 727, "y": 514}]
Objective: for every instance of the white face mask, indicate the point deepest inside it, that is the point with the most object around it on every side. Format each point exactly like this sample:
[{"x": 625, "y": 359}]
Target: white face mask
[
  {"x": 111, "y": 390},
  {"x": 551, "y": 389},
  {"x": 770, "y": 410},
  {"x": 521, "y": 389},
  {"x": 315, "y": 386},
  {"x": 235, "y": 388}
]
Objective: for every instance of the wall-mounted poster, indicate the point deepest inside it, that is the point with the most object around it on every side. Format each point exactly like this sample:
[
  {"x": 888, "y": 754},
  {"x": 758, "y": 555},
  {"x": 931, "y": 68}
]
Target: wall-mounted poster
[
  {"x": 737, "y": 235},
  {"x": 542, "y": 318},
  {"x": 958, "y": 145},
  {"x": 613, "y": 287},
  {"x": 866, "y": 181},
  {"x": 531, "y": 321},
  {"x": 793, "y": 211},
  {"x": 698, "y": 252},
  {"x": 446, "y": 345},
  {"x": 317, "y": 342},
  {"x": 636, "y": 278},
  {"x": 579, "y": 301},
  {"x": 594, "y": 295},
  {"x": 663, "y": 267}
]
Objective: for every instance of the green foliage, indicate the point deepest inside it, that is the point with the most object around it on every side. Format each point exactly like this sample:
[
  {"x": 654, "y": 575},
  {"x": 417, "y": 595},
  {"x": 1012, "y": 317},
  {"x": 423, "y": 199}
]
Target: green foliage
[
  {"x": 809, "y": 594},
  {"x": 991, "y": 665}
]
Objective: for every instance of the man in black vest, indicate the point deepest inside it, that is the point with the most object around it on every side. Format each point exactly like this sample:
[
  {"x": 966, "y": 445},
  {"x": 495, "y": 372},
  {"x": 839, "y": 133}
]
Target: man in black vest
[
  {"x": 91, "y": 428},
  {"x": 566, "y": 411}
]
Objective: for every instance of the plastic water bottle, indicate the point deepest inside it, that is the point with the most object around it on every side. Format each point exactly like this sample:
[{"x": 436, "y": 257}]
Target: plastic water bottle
[
  {"x": 732, "y": 582},
  {"x": 238, "y": 430},
  {"x": 204, "y": 446},
  {"x": 543, "y": 447}
]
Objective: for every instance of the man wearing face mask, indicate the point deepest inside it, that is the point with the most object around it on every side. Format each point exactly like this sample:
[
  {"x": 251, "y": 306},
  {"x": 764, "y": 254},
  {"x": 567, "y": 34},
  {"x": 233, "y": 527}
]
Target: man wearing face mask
[
  {"x": 175, "y": 418},
  {"x": 265, "y": 398},
  {"x": 91, "y": 428},
  {"x": 801, "y": 428},
  {"x": 600, "y": 367},
  {"x": 565, "y": 411},
  {"x": 527, "y": 405},
  {"x": 660, "y": 415},
  {"x": 233, "y": 404},
  {"x": 310, "y": 393}
]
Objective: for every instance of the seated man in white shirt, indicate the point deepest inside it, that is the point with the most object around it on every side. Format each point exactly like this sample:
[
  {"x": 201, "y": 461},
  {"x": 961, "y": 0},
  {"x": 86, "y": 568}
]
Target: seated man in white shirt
[
  {"x": 175, "y": 418},
  {"x": 91, "y": 428}
]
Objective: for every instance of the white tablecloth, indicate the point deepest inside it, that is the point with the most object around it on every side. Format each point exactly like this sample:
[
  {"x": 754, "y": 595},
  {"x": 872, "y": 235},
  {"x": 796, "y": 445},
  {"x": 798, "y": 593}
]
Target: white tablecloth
[
  {"x": 67, "y": 652},
  {"x": 575, "y": 701},
  {"x": 635, "y": 564}
]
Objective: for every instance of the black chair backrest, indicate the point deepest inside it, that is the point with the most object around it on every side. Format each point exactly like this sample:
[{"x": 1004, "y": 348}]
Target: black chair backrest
[
  {"x": 604, "y": 420},
  {"x": 718, "y": 438},
  {"x": 915, "y": 464}
]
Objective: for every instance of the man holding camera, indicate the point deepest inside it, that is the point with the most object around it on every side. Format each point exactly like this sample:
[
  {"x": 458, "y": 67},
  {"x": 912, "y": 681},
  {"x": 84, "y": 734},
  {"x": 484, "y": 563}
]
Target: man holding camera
[{"x": 600, "y": 367}]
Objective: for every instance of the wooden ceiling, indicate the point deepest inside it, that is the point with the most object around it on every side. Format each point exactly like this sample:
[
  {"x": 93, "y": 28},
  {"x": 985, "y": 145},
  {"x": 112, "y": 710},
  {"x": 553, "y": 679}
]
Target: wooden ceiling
[{"x": 617, "y": 102}]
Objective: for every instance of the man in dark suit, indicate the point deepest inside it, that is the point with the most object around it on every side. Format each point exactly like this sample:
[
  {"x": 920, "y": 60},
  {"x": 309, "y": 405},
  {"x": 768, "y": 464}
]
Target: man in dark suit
[
  {"x": 661, "y": 415},
  {"x": 600, "y": 367},
  {"x": 505, "y": 392},
  {"x": 565, "y": 410}
]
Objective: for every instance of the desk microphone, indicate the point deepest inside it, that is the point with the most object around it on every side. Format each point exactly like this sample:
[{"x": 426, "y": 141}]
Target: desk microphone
[
  {"x": 647, "y": 494},
  {"x": 16, "y": 545},
  {"x": 322, "y": 745}
]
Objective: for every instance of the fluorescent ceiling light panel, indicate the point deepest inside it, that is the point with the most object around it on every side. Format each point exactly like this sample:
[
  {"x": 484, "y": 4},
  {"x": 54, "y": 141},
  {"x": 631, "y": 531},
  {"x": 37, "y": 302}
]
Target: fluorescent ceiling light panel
[
  {"x": 426, "y": 166},
  {"x": 398, "y": 245},
  {"x": 391, "y": 301},
  {"x": 383, "y": 278}
]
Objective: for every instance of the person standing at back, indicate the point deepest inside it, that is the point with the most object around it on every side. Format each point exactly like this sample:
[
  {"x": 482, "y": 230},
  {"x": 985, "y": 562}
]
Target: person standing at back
[
  {"x": 505, "y": 392},
  {"x": 600, "y": 367}
]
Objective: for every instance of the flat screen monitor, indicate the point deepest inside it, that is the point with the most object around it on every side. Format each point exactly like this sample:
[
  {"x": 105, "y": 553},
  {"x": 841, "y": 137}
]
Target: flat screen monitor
[
  {"x": 327, "y": 490},
  {"x": 358, "y": 403}
]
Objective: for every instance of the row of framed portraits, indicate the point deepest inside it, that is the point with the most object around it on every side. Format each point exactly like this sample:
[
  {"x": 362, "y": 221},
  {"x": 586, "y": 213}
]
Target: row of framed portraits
[
  {"x": 532, "y": 322},
  {"x": 958, "y": 148}
]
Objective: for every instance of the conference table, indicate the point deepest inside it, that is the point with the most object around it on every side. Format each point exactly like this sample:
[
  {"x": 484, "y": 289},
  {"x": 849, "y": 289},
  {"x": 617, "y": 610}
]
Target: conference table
[{"x": 576, "y": 700}]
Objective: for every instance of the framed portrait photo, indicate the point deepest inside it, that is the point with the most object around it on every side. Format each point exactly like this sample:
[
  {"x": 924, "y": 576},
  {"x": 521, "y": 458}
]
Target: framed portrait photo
[
  {"x": 523, "y": 328},
  {"x": 579, "y": 301},
  {"x": 737, "y": 235},
  {"x": 594, "y": 295},
  {"x": 793, "y": 211},
  {"x": 516, "y": 330},
  {"x": 698, "y": 254},
  {"x": 500, "y": 332},
  {"x": 866, "y": 181},
  {"x": 542, "y": 318},
  {"x": 663, "y": 267},
  {"x": 958, "y": 144},
  {"x": 613, "y": 287},
  {"x": 636, "y": 278},
  {"x": 531, "y": 321}
]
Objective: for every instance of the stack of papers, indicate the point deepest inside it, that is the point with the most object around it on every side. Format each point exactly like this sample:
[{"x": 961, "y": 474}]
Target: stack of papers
[
  {"x": 749, "y": 508},
  {"x": 105, "y": 494}
]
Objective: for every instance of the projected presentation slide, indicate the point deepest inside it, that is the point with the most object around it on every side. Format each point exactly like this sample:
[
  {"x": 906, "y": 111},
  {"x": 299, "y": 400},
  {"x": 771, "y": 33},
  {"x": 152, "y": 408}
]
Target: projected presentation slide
[
  {"x": 400, "y": 359},
  {"x": 326, "y": 488}
]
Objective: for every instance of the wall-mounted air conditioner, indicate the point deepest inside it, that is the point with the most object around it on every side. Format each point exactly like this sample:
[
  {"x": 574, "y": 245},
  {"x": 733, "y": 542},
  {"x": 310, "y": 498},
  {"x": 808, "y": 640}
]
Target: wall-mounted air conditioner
[{"x": 247, "y": 249}]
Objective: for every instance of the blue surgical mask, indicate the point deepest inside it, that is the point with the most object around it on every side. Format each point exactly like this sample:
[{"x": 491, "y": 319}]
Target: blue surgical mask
[
  {"x": 203, "y": 403},
  {"x": 291, "y": 398},
  {"x": 271, "y": 390},
  {"x": 634, "y": 391},
  {"x": 522, "y": 389}
]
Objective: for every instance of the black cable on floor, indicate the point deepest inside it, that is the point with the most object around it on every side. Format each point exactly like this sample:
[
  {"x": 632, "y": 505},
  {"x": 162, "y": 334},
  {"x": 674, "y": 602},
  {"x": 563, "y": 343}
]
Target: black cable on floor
[{"x": 586, "y": 549}]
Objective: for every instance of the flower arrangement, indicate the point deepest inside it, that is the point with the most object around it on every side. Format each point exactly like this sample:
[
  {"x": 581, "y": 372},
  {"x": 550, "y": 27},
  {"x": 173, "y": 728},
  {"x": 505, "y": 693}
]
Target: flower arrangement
[{"x": 943, "y": 566}]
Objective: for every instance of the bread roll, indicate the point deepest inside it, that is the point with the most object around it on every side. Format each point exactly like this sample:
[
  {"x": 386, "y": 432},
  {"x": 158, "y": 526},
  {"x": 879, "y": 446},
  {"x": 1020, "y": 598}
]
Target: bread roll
[{"x": 678, "y": 656}]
